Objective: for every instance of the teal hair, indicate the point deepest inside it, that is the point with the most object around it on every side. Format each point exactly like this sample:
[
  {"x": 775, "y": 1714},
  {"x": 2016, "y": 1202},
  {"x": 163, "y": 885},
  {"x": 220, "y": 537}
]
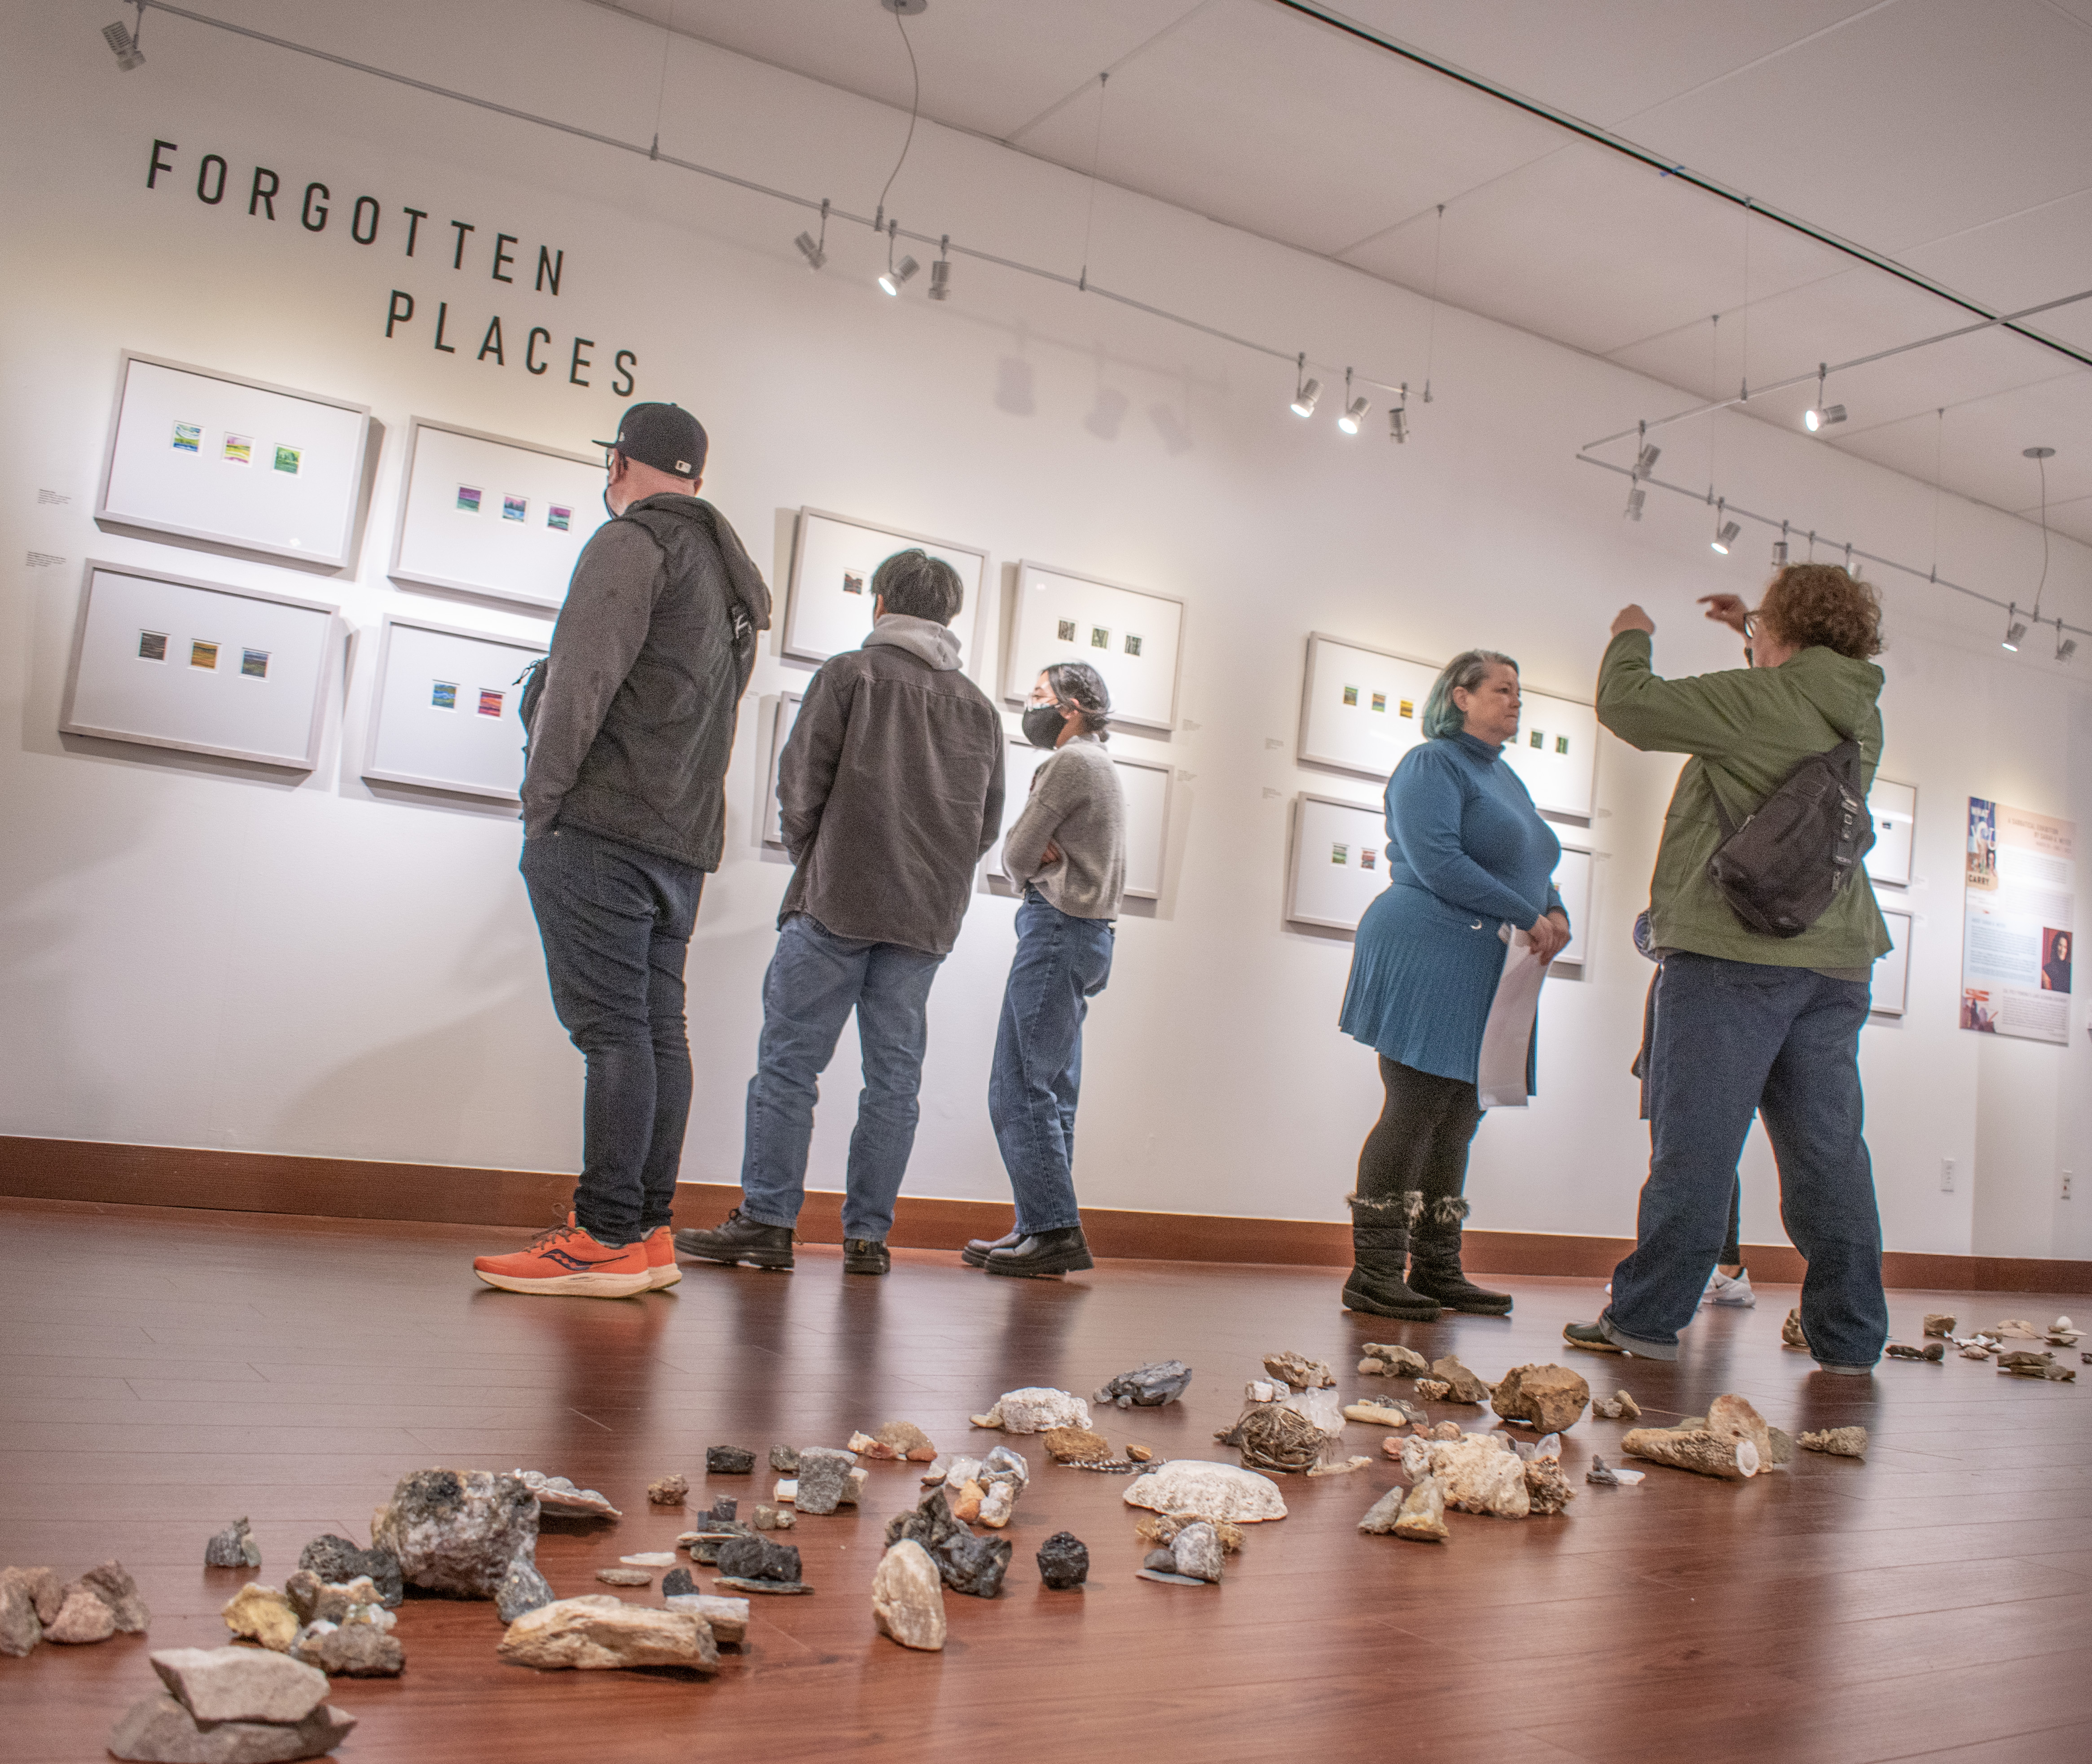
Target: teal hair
[{"x": 1463, "y": 673}]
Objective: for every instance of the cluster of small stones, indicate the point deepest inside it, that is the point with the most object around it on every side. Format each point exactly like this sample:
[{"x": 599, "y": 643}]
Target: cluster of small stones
[
  {"x": 230, "y": 1705},
  {"x": 36, "y": 1606}
]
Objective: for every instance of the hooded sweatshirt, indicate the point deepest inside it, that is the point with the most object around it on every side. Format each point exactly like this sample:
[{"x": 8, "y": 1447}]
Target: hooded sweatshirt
[
  {"x": 890, "y": 788},
  {"x": 1745, "y": 729}
]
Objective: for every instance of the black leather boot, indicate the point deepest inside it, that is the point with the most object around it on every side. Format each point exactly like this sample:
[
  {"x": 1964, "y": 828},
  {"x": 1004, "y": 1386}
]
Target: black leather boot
[
  {"x": 865, "y": 1256},
  {"x": 1380, "y": 1244},
  {"x": 739, "y": 1239},
  {"x": 1434, "y": 1262},
  {"x": 978, "y": 1249},
  {"x": 1042, "y": 1253}
]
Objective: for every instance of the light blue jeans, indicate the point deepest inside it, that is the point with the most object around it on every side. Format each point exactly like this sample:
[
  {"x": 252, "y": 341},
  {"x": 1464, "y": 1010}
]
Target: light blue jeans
[{"x": 815, "y": 979}]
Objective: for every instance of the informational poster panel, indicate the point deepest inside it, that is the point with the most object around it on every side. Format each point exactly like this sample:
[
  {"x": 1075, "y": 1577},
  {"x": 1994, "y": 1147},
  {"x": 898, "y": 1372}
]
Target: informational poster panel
[
  {"x": 1131, "y": 638},
  {"x": 445, "y": 716},
  {"x": 2018, "y": 937},
  {"x": 1894, "y": 807},
  {"x": 234, "y": 462},
  {"x": 1145, "y": 784},
  {"x": 1339, "y": 861},
  {"x": 1572, "y": 882},
  {"x": 1555, "y": 753},
  {"x": 167, "y": 661},
  {"x": 1891, "y": 974},
  {"x": 488, "y": 515},
  {"x": 784, "y": 718},
  {"x": 829, "y": 609},
  {"x": 1361, "y": 709}
]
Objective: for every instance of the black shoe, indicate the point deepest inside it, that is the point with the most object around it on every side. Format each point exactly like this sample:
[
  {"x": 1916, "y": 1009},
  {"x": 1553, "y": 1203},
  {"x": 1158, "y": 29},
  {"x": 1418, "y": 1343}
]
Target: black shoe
[
  {"x": 978, "y": 1249},
  {"x": 739, "y": 1239},
  {"x": 1379, "y": 1292},
  {"x": 1434, "y": 1262},
  {"x": 1042, "y": 1252},
  {"x": 1380, "y": 1245},
  {"x": 865, "y": 1255}
]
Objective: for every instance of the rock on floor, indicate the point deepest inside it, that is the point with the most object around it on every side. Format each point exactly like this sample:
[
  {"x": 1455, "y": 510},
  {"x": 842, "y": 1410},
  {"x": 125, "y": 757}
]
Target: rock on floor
[
  {"x": 1064, "y": 1561},
  {"x": 1298, "y": 1371},
  {"x": 974, "y": 1565},
  {"x": 82, "y": 1618},
  {"x": 159, "y": 1729},
  {"x": 1390, "y": 1359},
  {"x": 1475, "y": 1475},
  {"x": 1461, "y": 1384},
  {"x": 1839, "y": 1441},
  {"x": 1198, "y": 1551},
  {"x": 670, "y": 1491},
  {"x": 1033, "y": 1409},
  {"x": 1708, "y": 1455},
  {"x": 908, "y": 1597},
  {"x": 1076, "y": 1445},
  {"x": 456, "y": 1531},
  {"x": 823, "y": 1479},
  {"x": 601, "y": 1632},
  {"x": 1146, "y": 1387},
  {"x": 240, "y": 1684},
  {"x": 757, "y": 1558},
  {"x": 20, "y": 1628},
  {"x": 262, "y": 1614},
  {"x": 730, "y": 1460},
  {"x": 728, "y": 1617},
  {"x": 337, "y": 1561},
  {"x": 559, "y": 1498},
  {"x": 234, "y": 1547},
  {"x": 1205, "y": 1490},
  {"x": 350, "y": 1649},
  {"x": 1552, "y": 1398},
  {"x": 522, "y": 1589},
  {"x": 1618, "y": 1407}
]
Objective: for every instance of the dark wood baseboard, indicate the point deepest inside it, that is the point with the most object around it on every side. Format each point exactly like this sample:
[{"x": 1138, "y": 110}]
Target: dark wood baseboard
[{"x": 352, "y": 1188}]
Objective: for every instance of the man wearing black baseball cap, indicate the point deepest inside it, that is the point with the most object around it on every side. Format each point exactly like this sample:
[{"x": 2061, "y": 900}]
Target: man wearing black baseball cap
[{"x": 631, "y": 723}]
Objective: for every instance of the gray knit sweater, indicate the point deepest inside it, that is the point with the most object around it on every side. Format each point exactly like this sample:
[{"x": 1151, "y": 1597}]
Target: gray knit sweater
[{"x": 1076, "y": 805}]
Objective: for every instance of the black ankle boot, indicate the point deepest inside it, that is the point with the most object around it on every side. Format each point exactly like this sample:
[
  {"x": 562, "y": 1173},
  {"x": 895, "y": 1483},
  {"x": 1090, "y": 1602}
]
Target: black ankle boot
[
  {"x": 1041, "y": 1253},
  {"x": 978, "y": 1249},
  {"x": 865, "y": 1256},
  {"x": 1434, "y": 1262},
  {"x": 1380, "y": 1243},
  {"x": 739, "y": 1239}
]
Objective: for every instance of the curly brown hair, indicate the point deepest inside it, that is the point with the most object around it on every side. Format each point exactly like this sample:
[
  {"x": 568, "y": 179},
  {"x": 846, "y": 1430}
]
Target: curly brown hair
[{"x": 1808, "y": 604}]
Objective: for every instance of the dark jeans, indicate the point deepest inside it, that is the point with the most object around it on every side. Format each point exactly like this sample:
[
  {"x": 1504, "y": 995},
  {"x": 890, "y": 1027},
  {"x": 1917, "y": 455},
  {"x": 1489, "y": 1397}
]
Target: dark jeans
[
  {"x": 617, "y": 923},
  {"x": 1730, "y": 1038},
  {"x": 815, "y": 980},
  {"x": 1419, "y": 1143},
  {"x": 1062, "y": 963},
  {"x": 1732, "y": 1246}
]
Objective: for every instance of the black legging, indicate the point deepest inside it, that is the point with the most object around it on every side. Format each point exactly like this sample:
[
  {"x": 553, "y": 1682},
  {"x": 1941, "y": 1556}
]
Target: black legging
[
  {"x": 1732, "y": 1252},
  {"x": 1419, "y": 1143}
]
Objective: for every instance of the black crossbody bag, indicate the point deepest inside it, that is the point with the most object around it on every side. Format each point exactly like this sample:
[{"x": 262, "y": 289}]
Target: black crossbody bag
[{"x": 1781, "y": 869}]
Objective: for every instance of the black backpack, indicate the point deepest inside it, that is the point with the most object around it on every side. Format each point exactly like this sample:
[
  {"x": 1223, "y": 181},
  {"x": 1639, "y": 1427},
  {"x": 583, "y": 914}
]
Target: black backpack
[{"x": 1782, "y": 868}]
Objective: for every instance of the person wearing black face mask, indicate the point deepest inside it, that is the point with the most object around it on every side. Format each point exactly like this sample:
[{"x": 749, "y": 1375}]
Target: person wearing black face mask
[{"x": 1067, "y": 849}]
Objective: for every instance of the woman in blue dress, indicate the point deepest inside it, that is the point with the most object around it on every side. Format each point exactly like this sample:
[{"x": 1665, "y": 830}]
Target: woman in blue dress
[{"x": 1467, "y": 856}]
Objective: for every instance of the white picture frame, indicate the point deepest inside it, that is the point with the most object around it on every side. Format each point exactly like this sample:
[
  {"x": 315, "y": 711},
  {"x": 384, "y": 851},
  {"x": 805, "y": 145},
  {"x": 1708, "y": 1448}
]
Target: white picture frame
[
  {"x": 1889, "y": 983},
  {"x": 1560, "y": 773},
  {"x": 1894, "y": 809},
  {"x": 511, "y": 543},
  {"x": 1340, "y": 726},
  {"x": 1059, "y": 616},
  {"x": 205, "y": 691},
  {"x": 1330, "y": 884},
  {"x": 825, "y": 614},
  {"x": 466, "y": 746},
  {"x": 200, "y": 454},
  {"x": 1572, "y": 882},
  {"x": 784, "y": 718},
  {"x": 1145, "y": 784}
]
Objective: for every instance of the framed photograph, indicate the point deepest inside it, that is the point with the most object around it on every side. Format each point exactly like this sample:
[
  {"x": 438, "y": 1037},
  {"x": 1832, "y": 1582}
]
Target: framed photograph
[
  {"x": 1572, "y": 881},
  {"x": 1892, "y": 975},
  {"x": 1130, "y": 636},
  {"x": 1145, "y": 784},
  {"x": 782, "y": 720},
  {"x": 167, "y": 661},
  {"x": 237, "y": 463},
  {"x": 444, "y": 716},
  {"x": 1339, "y": 861},
  {"x": 828, "y": 606},
  {"x": 1361, "y": 709},
  {"x": 489, "y": 515},
  {"x": 1556, "y": 753},
  {"x": 1894, "y": 810}
]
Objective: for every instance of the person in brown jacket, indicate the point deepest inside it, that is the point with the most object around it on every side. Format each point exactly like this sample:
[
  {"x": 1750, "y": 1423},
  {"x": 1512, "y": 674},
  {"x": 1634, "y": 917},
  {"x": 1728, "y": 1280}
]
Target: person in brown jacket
[{"x": 890, "y": 793}]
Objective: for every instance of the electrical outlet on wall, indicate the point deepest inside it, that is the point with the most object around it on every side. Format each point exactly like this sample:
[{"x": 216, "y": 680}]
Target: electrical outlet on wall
[{"x": 1947, "y": 1175}]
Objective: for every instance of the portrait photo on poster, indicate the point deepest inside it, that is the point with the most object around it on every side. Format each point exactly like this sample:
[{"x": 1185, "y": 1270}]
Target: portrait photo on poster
[{"x": 2019, "y": 907}]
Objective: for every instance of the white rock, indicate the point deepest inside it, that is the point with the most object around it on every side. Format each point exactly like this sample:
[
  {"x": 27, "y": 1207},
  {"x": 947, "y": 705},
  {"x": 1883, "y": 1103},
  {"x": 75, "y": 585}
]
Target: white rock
[
  {"x": 998, "y": 1501},
  {"x": 1322, "y": 1406},
  {"x": 1206, "y": 1490},
  {"x": 1197, "y": 1548},
  {"x": 650, "y": 1559},
  {"x": 1478, "y": 1475},
  {"x": 908, "y": 1597},
  {"x": 1035, "y": 1409},
  {"x": 787, "y": 1490},
  {"x": 728, "y": 1617}
]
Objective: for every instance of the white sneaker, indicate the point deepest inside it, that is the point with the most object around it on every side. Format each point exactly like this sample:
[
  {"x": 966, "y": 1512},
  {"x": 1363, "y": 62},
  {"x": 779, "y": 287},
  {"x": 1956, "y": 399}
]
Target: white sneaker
[{"x": 1722, "y": 1289}]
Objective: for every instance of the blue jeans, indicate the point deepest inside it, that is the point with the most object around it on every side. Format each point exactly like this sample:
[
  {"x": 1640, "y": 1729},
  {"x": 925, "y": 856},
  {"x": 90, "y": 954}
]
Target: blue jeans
[
  {"x": 1062, "y": 963},
  {"x": 1730, "y": 1038},
  {"x": 616, "y": 922},
  {"x": 815, "y": 979}
]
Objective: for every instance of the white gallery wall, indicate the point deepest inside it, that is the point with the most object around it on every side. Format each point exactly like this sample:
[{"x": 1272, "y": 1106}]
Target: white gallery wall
[{"x": 208, "y": 953}]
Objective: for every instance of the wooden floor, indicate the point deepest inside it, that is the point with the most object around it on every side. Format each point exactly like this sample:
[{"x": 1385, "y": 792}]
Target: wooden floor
[{"x": 164, "y": 1372}]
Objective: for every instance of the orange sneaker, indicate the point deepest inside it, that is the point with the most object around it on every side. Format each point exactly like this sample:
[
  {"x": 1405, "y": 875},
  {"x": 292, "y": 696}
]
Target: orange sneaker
[
  {"x": 661, "y": 1268},
  {"x": 567, "y": 1259}
]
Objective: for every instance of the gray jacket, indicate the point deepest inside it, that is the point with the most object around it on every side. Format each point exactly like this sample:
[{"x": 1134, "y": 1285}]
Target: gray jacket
[
  {"x": 1077, "y": 807},
  {"x": 630, "y": 735},
  {"x": 890, "y": 789}
]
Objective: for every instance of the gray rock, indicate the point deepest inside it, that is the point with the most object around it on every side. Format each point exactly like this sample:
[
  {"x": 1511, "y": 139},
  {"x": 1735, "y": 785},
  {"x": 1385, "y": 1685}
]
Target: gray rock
[
  {"x": 558, "y": 1497},
  {"x": 20, "y": 1628},
  {"x": 734, "y": 1583},
  {"x": 1064, "y": 1559},
  {"x": 113, "y": 1585},
  {"x": 775, "y": 1517},
  {"x": 705, "y": 1545},
  {"x": 823, "y": 1479},
  {"x": 350, "y": 1650},
  {"x": 929, "y": 1524},
  {"x": 1160, "y": 1561},
  {"x": 784, "y": 1460},
  {"x": 1168, "y": 1579},
  {"x": 1198, "y": 1551},
  {"x": 726, "y": 1507},
  {"x": 974, "y": 1565},
  {"x": 314, "y": 1601},
  {"x": 161, "y": 1730},
  {"x": 456, "y": 1531},
  {"x": 728, "y": 1617},
  {"x": 240, "y": 1684},
  {"x": 522, "y": 1589},
  {"x": 677, "y": 1582},
  {"x": 1147, "y": 1387},
  {"x": 234, "y": 1547},
  {"x": 757, "y": 1558},
  {"x": 337, "y": 1561},
  {"x": 1004, "y": 1462},
  {"x": 729, "y": 1461},
  {"x": 1381, "y": 1517}
]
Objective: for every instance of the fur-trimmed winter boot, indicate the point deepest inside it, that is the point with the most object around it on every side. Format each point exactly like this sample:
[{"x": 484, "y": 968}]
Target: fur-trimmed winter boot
[
  {"x": 1434, "y": 1262},
  {"x": 1380, "y": 1243}
]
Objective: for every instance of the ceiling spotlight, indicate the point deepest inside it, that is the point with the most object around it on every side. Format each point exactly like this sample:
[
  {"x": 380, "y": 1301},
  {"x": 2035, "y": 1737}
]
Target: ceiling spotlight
[
  {"x": 2015, "y": 628},
  {"x": 941, "y": 271},
  {"x": 1822, "y": 417},
  {"x": 1779, "y": 554},
  {"x": 811, "y": 252},
  {"x": 1303, "y": 399},
  {"x": 123, "y": 40},
  {"x": 2065, "y": 646},
  {"x": 1398, "y": 425},
  {"x": 1726, "y": 531},
  {"x": 890, "y": 283},
  {"x": 1354, "y": 414},
  {"x": 1645, "y": 460},
  {"x": 1637, "y": 497}
]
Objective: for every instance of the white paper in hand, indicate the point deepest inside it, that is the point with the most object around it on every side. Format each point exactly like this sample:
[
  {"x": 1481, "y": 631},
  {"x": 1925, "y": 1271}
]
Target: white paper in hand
[{"x": 1500, "y": 1083}]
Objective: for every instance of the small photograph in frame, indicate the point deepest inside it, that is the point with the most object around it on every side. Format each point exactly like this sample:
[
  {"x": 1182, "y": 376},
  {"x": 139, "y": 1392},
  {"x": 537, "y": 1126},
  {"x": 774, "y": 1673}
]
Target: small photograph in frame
[
  {"x": 1133, "y": 646},
  {"x": 515, "y": 507},
  {"x": 1351, "y": 695},
  {"x": 852, "y": 581},
  {"x": 1368, "y": 859},
  {"x": 1408, "y": 707},
  {"x": 1537, "y": 739},
  {"x": 153, "y": 646},
  {"x": 239, "y": 449},
  {"x": 288, "y": 460},
  {"x": 442, "y": 695},
  {"x": 559, "y": 518},
  {"x": 490, "y": 701},
  {"x": 203, "y": 655},
  {"x": 468, "y": 499},
  {"x": 1562, "y": 744},
  {"x": 1066, "y": 628},
  {"x": 188, "y": 438},
  {"x": 1100, "y": 638},
  {"x": 1379, "y": 702},
  {"x": 1340, "y": 854},
  {"x": 254, "y": 664}
]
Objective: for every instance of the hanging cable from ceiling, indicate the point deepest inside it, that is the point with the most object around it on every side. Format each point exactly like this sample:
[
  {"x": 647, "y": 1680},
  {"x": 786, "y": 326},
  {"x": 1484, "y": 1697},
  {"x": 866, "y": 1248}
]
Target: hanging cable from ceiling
[
  {"x": 1097, "y": 151},
  {"x": 915, "y": 109},
  {"x": 1431, "y": 337},
  {"x": 2041, "y": 456}
]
